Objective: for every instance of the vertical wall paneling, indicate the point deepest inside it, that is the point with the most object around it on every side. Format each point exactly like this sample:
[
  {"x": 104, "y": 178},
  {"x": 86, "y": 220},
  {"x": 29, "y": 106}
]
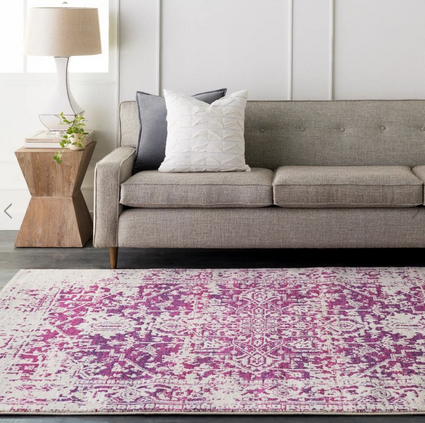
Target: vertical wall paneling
[
  {"x": 227, "y": 43},
  {"x": 332, "y": 50},
  {"x": 139, "y": 47},
  {"x": 291, "y": 50},
  {"x": 379, "y": 49},
  {"x": 159, "y": 48},
  {"x": 312, "y": 50}
]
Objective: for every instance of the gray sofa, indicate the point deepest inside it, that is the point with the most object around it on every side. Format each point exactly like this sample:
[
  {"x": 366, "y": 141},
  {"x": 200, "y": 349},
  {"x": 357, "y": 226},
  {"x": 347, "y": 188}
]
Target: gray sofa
[{"x": 325, "y": 174}]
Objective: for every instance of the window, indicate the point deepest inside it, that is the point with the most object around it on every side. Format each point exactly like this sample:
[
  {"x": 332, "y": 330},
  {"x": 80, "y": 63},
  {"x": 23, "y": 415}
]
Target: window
[
  {"x": 12, "y": 37},
  {"x": 13, "y": 31}
]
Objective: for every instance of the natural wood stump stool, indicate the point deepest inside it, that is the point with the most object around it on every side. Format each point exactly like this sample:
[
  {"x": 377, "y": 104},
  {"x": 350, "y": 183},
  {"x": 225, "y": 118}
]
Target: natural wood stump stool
[{"x": 57, "y": 215}]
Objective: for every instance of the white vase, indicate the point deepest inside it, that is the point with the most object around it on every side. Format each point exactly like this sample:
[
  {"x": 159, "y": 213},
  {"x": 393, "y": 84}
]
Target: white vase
[{"x": 78, "y": 138}]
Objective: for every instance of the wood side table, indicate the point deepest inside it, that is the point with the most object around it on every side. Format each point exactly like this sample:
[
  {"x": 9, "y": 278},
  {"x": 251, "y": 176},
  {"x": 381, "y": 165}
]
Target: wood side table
[{"x": 57, "y": 215}]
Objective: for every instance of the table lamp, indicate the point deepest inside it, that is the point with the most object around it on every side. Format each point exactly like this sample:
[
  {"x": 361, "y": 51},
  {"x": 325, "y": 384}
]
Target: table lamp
[{"x": 62, "y": 32}]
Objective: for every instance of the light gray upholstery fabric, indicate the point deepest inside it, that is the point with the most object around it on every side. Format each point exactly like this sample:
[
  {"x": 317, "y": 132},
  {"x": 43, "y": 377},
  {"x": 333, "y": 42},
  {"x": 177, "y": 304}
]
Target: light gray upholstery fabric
[
  {"x": 273, "y": 227},
  {"x": 129, "y": 124},
  {"x": 225, "y": 189},
  {"x": 335, "y": 133},
  {"x": 328, "y": 133},
  {"x": 419, "y": 171},
  {"x": 110, "y": 172},
  {"x": 346, "y": 186}
]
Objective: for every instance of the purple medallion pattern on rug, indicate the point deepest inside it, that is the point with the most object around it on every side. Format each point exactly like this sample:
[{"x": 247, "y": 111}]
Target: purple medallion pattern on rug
[{"x": 335, "y": 340}]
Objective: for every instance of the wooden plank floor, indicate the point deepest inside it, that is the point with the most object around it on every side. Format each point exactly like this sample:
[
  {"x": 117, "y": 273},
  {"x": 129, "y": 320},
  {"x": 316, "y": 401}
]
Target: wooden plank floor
[{"x": 11, "y": 260}]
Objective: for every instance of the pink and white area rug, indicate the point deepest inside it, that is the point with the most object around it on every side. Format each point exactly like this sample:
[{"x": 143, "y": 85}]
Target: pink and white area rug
[{"x": 315, "y": 340}]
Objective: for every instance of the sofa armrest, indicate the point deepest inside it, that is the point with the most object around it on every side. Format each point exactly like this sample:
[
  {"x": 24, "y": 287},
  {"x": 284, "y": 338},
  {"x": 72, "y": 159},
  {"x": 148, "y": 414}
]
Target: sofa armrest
[{"x": 110, "y": 172}]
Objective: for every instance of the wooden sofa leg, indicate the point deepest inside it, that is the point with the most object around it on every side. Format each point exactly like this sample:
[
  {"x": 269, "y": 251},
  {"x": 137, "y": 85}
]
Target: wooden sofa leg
[{"x": 113, "y": 256}]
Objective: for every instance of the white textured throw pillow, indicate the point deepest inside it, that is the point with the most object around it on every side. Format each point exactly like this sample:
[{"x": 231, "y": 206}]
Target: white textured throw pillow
[{"x": 205, "y": 137}]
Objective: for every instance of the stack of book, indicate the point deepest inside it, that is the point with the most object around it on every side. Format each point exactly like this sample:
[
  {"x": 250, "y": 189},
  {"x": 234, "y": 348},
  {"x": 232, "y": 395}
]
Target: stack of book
[{"x": 45, "y": 139}]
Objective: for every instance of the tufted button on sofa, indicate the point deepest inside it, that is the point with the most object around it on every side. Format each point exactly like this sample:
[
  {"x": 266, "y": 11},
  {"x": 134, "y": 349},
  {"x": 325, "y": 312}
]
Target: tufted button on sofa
[{"x": 325, "y": 174}]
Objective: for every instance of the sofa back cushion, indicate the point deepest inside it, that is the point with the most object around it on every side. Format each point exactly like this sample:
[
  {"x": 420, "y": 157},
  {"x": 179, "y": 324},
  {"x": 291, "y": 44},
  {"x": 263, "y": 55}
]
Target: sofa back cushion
[{"x": 329, "y": 133}]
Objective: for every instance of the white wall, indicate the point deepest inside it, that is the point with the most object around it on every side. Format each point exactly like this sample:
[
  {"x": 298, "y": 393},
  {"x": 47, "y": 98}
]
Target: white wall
[
  {"x": 236, "y": 44},
  {"x": 379, "y": 49},
  {"x": 278, "y": 49},
  {"x": 23, "y": 96}
]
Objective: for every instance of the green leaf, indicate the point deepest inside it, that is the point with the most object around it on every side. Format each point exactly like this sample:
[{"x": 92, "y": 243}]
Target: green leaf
[
  {"x": 58, "y": 157},
  {"x": 74, "y": 127}
]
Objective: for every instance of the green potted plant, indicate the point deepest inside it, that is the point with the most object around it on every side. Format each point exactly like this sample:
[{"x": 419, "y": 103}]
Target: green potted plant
[{"x": 74, "y": 137}]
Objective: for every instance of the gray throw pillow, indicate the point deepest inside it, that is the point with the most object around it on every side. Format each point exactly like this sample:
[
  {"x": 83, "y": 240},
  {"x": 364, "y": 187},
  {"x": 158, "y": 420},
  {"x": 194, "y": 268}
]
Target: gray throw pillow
[{"x": 153, "y": 127}]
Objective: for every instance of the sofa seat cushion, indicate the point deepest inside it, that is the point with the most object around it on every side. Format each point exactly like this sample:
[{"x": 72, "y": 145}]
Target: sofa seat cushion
[
  {"x": 346, "y": 186},
  {"x": 198, "y": 189}
]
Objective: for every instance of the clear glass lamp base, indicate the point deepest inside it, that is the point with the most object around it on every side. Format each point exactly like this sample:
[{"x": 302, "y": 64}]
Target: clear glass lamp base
[{"x": 53, "y": 122}]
